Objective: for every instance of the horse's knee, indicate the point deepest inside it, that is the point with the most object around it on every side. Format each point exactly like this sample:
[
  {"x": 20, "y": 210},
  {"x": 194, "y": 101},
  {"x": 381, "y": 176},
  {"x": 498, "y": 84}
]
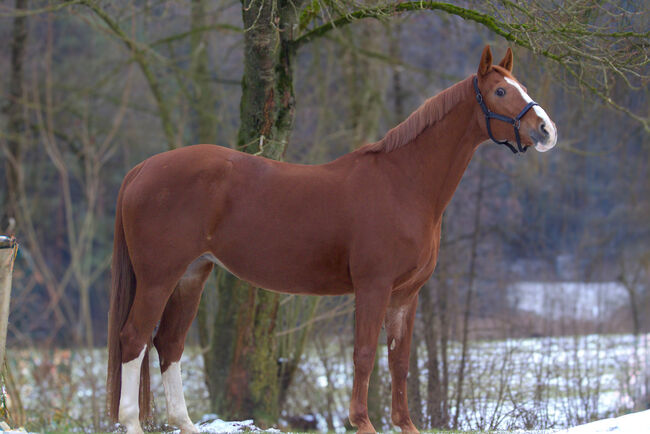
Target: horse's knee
[
  {"x": 364, "y": 359},
  {"x": 399, "y": 369},
  {"x": 398, "y": 358}
]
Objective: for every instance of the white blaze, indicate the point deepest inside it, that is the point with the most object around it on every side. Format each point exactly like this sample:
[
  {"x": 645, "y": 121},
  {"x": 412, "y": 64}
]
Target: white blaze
[
  {"x": 129, "y": 411},
  {"x": 176, "y": 408},
  {"x": 550, "y": 126}
]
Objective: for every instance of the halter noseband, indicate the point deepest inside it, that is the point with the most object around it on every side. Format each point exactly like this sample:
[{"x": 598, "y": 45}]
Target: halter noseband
[{"x": 515, "y": 122}]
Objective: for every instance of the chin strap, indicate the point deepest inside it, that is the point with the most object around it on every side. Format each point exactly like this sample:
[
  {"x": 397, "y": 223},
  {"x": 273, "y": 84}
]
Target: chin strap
[{"x": 515, "y": 122}]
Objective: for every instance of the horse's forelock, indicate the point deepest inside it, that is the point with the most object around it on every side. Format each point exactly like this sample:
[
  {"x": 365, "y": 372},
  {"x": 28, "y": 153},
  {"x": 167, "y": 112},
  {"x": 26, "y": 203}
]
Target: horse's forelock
[{"x": 503, "y": 71}]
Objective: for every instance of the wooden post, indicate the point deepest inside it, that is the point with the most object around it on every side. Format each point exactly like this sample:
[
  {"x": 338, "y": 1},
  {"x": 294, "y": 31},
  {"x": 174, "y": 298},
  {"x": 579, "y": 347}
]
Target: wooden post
[{"x": 8, "y": 249}]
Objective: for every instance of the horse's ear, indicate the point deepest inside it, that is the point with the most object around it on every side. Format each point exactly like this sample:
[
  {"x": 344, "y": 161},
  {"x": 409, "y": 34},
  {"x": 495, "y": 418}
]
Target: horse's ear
[
  {"x": 486, "y": 61},
  {"x": 506, "y": 62}
]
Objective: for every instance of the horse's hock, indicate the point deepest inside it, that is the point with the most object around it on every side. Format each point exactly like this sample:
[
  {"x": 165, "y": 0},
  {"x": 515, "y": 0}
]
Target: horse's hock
[{"x": 8, "y": 249}]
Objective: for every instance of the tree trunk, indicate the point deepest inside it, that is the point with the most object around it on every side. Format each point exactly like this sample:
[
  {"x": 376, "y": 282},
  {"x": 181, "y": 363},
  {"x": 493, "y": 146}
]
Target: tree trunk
[
  {"x": 433, "y": 377},
  {"x": 203, "y": 98},
  {"x": 292, "y": 345},
  {"x": 436, "y": 337},
  {"x": 375, "y": 408},
  {"x": 16, "y": 119},
  {"x": 242, "y": 362},
  {"x": 469, "y": 296},
  {"x": 267, "y": 102},
  {"x": 8, "y": 249},
  {"x": 445, "y": 324},
  {"x": 413, "y": 381}
]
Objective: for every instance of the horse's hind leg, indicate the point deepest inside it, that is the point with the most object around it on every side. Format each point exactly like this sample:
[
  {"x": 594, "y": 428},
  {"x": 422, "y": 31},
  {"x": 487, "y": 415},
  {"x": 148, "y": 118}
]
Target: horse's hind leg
[
  {"x": 170, "y": 339},
  {"x": 400, "y": 316},
  {"x": 146, "y": 310}
]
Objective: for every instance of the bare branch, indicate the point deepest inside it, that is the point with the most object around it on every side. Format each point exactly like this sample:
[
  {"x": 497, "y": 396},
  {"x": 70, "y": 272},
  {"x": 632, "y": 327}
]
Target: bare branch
[{"x": 578, "y": 38}]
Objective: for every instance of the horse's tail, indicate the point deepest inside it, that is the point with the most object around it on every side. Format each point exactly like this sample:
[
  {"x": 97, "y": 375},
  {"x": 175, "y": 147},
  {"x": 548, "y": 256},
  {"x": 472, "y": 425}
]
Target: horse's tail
[{"x": 122, "y": 293}]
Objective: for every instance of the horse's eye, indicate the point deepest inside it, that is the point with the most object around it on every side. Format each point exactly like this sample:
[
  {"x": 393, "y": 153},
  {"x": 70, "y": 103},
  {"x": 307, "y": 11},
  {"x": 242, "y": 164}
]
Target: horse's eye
[{"x": 500, "y": 91}]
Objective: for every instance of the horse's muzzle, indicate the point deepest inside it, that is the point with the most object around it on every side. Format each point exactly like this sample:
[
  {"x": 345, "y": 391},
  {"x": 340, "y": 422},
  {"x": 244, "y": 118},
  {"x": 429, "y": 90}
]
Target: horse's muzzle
[{"x": 544, "y": 137}]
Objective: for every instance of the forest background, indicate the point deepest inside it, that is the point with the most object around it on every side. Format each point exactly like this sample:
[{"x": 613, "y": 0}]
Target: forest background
[{"x": 535, "y": 246}]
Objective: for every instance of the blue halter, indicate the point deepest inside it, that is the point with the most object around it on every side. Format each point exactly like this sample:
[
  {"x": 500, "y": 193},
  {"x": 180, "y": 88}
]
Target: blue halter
[{"x": 515, "y": 122}]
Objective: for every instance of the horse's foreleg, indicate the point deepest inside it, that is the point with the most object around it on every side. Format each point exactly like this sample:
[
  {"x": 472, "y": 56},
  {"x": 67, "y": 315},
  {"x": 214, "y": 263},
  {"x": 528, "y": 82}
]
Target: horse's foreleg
[
  {"x": 400, "y": 317},
  {"x": 170, "y": 340},
  {"x": 370, "y": 307}
]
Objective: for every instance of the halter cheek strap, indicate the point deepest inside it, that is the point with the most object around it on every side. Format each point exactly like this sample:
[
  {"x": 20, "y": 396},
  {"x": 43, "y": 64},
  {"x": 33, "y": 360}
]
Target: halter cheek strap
[{"x": 515, "y": 122}]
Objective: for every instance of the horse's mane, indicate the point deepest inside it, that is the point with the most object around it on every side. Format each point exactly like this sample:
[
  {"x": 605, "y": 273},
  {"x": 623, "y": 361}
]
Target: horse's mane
[{"x": 430, "y": 112}]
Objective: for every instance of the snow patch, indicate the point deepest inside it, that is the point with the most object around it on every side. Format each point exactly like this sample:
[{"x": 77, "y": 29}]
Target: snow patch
[
  {"x": 210, "y": 423},
  {"x": 630, "y": 423}
]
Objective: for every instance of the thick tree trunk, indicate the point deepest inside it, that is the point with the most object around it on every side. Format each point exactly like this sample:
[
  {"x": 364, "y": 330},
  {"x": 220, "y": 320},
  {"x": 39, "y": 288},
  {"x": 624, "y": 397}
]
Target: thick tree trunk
[
  {"x": 15, "y": 117},
  {"x": 242, "y": 365},
  {"x": 267, "y": 102}
]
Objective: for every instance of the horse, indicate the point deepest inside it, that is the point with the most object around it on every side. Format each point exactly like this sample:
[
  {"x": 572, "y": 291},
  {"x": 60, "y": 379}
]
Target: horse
[{"x": 366, "y": 223}]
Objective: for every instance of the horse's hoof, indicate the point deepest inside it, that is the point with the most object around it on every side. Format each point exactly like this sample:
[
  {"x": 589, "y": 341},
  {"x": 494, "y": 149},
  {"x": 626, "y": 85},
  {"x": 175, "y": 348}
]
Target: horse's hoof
[
  {"x": 191, "y": 429},
  {"x": 366, "y": 429}
]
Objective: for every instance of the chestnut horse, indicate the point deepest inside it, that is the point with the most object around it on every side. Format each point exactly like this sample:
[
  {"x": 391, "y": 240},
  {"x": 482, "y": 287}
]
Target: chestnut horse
[{"x": 367, "y": 223}]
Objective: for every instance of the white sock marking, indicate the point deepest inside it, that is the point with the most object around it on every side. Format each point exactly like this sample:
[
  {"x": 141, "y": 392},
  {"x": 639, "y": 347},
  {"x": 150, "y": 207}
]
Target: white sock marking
[
  {"x": 550, "y": 126},
  {"x": 129, "y": 411},
  {"x": 176, "y": 408}
]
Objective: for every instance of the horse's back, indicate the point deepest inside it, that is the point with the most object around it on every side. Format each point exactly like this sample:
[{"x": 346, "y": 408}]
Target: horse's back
[{"x": 281, "y": 226}]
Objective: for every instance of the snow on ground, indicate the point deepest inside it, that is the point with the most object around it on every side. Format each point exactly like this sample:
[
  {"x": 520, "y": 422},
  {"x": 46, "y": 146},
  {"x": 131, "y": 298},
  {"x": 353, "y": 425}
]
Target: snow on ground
[
  {"x": 630, "y": 423},
  {"x": 210, "y": 423},
  {"x": 547, "y": 383}
]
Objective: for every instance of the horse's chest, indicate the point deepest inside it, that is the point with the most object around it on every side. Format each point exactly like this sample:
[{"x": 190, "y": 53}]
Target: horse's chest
[
  {"x": 423, "y": 262},
  {"x": 429, "y": 260}
]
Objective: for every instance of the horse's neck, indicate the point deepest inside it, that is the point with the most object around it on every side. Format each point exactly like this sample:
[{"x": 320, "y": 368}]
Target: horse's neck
[{"x": 437, "y": 158}]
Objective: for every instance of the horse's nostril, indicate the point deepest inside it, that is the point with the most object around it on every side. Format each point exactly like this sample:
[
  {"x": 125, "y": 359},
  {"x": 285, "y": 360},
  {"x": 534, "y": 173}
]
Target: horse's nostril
[{"x": 543, "y": 129}]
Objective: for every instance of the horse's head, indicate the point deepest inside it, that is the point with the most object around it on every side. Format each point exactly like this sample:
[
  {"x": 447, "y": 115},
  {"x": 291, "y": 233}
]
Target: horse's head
[{"x": 507, "y": 112}]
